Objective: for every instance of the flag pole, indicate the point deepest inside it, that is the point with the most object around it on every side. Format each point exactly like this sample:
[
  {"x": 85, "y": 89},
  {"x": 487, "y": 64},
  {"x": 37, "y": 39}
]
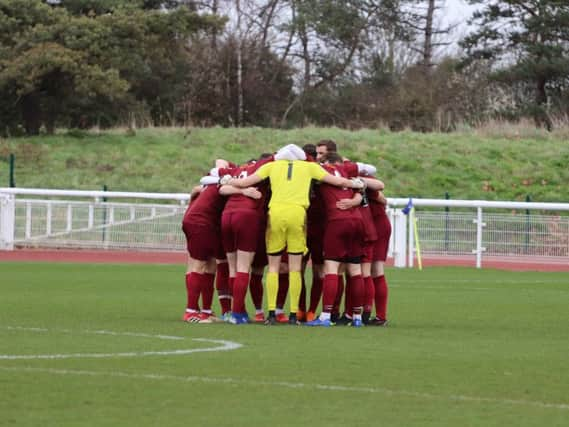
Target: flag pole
[{"x": 417, "y": 244}]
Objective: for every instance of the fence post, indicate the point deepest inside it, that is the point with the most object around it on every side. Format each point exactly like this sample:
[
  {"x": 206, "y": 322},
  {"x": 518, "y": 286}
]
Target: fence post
[
  {"x": 411, "y": 243},
  {"x": 447, "y": 210},
  {"x": 479, "y": 249},
  {"x": 104, "y": 225},
  {"x": 528, "y": 227},
  {"x": 7, "y": 221},
  {"x": 400, "y": 238},
  {"x": 12, "y": 164}
]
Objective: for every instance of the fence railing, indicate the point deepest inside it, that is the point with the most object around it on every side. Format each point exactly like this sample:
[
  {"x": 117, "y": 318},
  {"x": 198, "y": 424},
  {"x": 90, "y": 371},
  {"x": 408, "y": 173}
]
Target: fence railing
[{"x": 42, "y": 218}]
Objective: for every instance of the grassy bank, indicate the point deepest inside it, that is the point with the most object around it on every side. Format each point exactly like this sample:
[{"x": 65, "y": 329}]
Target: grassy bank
[{"x": 468, "y": 165}]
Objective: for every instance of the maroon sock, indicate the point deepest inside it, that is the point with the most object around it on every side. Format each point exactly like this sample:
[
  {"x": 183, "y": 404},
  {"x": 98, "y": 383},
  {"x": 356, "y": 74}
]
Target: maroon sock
[
  {"x": 283, "y": 290},
  {"x": 369, "y": 294},
  {"x": 329, "y": 290},
  {"x": 302, "y": 302},
  {"x": 348, "y": 305},
  {"x": 207, "y": 290},
  {"x": 222, "y": 286},
  {"x": 240, "y": 292},
  {"x": 339, "y": 295},
  {"x": 231, "y": 281},
  {"x": 357, "y": 294},
  {"x": 193, "y": 288},
  {"x": 256, "y": 288},
  {"x": 315, "y": 293},
  {"x": 381, "y": 295}
]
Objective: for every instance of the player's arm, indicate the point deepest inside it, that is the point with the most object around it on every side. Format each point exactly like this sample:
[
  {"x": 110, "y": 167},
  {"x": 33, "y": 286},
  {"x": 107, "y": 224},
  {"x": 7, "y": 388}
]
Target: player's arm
[
  {"x": 230, "y": 190},
  {"x": 241, "y": 182},
  {"x": 318, "y": 173},
  {"x": 195, "y": 192},
  {"x": 373, "y": 184},
  {"x": 339, "y": 181},
  {"x": 346, "y": 204}
]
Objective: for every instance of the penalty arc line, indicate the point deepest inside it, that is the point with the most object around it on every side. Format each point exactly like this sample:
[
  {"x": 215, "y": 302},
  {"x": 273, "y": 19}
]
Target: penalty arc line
[
  {"x": 222, "y": 346},
  {"x": 319, "y": 387}
]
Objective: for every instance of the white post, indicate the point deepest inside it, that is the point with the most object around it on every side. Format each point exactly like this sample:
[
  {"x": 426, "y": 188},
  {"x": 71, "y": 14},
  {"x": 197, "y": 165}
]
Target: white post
[
  {"x": 91, "y": 217},
  {"x": 400, "y": 238},
  {"x": 411, "y": 245},
  {"x": 28, "y": 232},
  {"x": 69, "y": 219},
  {"x": 48, "y": 219},
  {"x": 479, "y": 249},
  {"x": 7, "y": 221}
]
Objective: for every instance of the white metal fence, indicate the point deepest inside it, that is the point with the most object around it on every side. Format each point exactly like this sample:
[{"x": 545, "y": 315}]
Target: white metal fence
[{"x": 152, "y": 221}]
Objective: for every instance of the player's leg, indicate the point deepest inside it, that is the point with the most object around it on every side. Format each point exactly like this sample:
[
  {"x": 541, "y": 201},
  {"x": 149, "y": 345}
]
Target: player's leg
[
  {"x": 381, "y": 293},
  {"x": 202, "y": 249},
  {"x": 229, "y": 245},
  {"x": 295, "y": 284},
  {"x": 283, "y": 290},
  {"x": 276, "y": 243},
  {"x": 256, "y": 289},
  {"x": 240, "y": 286},
  {"x": 260, "y": 261},
  {"x": 378, "y": 274},
  {"x": 356, "y": 292},
  {"x": 315, "y": 290},
  {"x": 329, "y": 291},
  {"x": 296, "y": 248},
  {"x": 222, "y": 287},
  {"x": 207, "y": 270},
  {"x": 369, "y": 289},
  {"x": 192, "y": 293}
]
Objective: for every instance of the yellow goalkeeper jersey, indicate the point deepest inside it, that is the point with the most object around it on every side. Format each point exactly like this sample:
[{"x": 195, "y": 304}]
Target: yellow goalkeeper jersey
[{"x": 290, "y": 180}]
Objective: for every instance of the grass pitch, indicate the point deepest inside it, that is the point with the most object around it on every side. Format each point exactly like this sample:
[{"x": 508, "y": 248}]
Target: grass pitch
[{"x": 465, "y": 348}]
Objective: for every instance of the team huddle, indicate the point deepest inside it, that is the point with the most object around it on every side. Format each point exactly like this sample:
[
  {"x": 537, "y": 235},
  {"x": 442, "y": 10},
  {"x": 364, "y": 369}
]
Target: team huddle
[{"x": 282, "y": 211}]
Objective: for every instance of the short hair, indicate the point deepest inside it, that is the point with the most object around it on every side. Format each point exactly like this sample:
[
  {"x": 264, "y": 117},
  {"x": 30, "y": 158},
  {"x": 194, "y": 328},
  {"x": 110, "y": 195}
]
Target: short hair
[
  {"x": 265, "y": 156},
  {"x": 331, "y": 157},
  {"x": 310, "y": 149},
  {"x": 330, "y": 145}
]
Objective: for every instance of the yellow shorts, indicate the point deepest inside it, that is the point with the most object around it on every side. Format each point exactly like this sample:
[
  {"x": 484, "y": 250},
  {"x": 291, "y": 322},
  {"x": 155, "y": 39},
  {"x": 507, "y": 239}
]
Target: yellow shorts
[{"x": 286, "y": 229}]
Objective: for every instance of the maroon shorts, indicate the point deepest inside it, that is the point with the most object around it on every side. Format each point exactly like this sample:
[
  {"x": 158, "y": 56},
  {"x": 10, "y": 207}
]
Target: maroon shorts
[
  {"x": 381, "y": 245},
  {"x": 315, "y": 242},
  {"x": 368, "y": 251},
  {"x": 240, "y": 230},
  {"x": 344, "y": 240},
  {"x": 203, "y": 241}
]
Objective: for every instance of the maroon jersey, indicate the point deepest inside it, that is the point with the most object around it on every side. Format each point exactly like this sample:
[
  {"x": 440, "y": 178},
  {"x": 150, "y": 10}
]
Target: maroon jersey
[
  {"x": 351, "y": 169},
  {"x": 239, "y": 202},
  {"x": 206, "y": 208},
  {"x": 332, "y": 194},
  {"x": 369, "y": 225}
]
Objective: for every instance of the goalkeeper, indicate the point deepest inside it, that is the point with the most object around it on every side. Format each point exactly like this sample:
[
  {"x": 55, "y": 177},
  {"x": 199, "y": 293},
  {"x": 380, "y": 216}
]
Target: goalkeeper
[{"x": 290, "y": 187}]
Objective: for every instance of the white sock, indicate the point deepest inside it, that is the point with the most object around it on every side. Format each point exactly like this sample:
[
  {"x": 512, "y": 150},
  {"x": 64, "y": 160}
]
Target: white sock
[{"x": 324, "y": 316}]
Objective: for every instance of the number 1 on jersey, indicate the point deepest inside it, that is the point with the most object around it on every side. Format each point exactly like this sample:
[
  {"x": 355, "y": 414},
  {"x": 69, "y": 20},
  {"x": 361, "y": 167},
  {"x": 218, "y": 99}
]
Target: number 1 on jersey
[{"x": 289, "y": 172}]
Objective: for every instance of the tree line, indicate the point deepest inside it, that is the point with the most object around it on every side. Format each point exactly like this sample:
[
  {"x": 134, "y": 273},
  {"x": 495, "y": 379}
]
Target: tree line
[{"x": 279, "y": 63}]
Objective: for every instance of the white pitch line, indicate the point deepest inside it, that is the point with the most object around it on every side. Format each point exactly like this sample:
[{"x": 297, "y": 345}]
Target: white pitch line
[
  {"x": 222, "y": 346},
  {"x": 289, "y": 385}
]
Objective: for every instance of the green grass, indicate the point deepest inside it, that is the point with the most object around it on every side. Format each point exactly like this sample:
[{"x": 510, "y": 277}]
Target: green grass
[
  {"x": 465, "y": 348},
  {"x": 467, "y": 165}
]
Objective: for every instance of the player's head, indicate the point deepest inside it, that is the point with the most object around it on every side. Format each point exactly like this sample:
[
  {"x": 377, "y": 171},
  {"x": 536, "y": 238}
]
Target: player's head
[
  {"x": 325, "y": 146},
  {"x": 264, "y": 156},
  {"x": 310, "y": 150},
  {"x": 331, "y": 158}
]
